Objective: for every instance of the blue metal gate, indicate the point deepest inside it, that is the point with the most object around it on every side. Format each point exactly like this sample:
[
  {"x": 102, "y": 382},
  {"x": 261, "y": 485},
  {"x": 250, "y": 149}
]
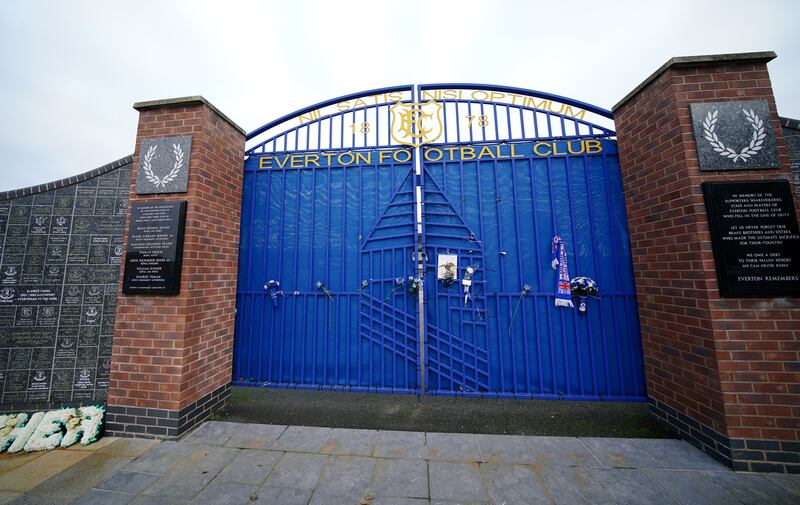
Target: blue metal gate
[
  {"x": 335, "y": 238},
  {"x": 342, "y": 216}
]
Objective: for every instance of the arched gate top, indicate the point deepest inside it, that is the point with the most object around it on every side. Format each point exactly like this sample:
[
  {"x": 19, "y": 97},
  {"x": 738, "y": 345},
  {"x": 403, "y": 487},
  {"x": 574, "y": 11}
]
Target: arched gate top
[{"x": 460, "y": 113}]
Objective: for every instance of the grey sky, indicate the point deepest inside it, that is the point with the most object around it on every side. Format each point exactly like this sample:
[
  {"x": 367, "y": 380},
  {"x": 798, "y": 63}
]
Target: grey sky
[{"x": 72, "y": 70}]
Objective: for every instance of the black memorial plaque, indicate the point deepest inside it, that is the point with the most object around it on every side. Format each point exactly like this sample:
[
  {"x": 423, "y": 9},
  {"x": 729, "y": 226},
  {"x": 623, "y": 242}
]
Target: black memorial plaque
[
  {"x": 755, "y": 238},
  {"x": 155, "y": 248}
]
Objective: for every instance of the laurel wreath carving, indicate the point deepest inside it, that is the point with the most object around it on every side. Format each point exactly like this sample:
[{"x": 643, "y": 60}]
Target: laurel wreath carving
[
  {"x": 147, "y": 166},
  {"x": 756, "y": 141}
]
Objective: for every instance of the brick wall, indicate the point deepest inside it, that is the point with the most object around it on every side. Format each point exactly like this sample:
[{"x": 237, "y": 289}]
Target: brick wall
[
  {"x": 172, "y": 354},
  {"x": 725, "y": 373}
]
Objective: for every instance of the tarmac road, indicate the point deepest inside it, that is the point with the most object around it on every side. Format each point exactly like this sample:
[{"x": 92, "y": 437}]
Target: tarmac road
[{"x": 441, "y": 413}]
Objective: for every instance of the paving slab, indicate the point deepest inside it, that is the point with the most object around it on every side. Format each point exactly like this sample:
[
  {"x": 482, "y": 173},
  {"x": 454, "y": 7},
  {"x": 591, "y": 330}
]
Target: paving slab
[
  {"x": 691, "y": 488},
  {"x": 128, "y": 482},
  {"x": 160, "y": 458},
  {"x": 302, "y": 439},
  {"x": 79, "y": 478},
  {"x": 214, "y": 433},
  {"x": 128, "y": 447},
  {"x": 37, "y": 470},
  {"x": 7, "y": 496},
  {"x": 560, "y": 451},
  {"x": 347, "y": 442},
  {"x": 630, "y": 486},
  {"x": 157, "y": 500},
  {"x": 400, "y": 444},
  {"x": 185, "y": 479},
  {"x": 452, "y": 447},
  {"x": 620, "y": 453},
  {"x": 345, "y": 479},
  {"x": 401, "y": 478},
  {"x": 183, "y": 487},
  {"x": 254, "y": 436},
  {"x": 301, "y": 471},
  {"x": 752, "y": 489},
  {"x": 513, "y": 484},
  {"x": 456, "y": 481},
  {"x": 100, "y": 497},
  {"x": 29, "y": 499},
  {"x": 790, "y": 483},
  {"x": 94, "y": 446},
  {"x": 572, "y": 486},
  {"x": 32, "y": 499},
  {"x": 205, "y": 459},
  {"x": 504, "y": 449},
  {"x": 678, "y": 454},
  {"x": 459, "y": 502},
  {"x": 9, "y": 462},
  {"x": 393, "y": 500},
  {"x": 249, "y": 466},
  {"x": 269, "y": 495},
  {"x": 225, "y": 493}
]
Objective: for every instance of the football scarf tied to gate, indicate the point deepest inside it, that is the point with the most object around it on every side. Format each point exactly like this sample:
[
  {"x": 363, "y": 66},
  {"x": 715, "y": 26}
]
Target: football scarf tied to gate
[{"x": 559, "y": 263}]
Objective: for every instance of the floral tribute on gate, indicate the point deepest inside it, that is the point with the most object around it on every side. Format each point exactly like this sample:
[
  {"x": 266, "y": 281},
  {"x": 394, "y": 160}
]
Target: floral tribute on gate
[
  {"x": 414, "y": 285},
  {"x": 43, "y": 431},
  {"x": 582, "y": 288},
  {"x": 273, "y": 289}
]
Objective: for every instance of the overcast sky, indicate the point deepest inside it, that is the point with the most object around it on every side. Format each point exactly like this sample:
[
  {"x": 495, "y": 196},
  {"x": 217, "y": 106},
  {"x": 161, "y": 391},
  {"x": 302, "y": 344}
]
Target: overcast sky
[{"x": 72, "y": 69}]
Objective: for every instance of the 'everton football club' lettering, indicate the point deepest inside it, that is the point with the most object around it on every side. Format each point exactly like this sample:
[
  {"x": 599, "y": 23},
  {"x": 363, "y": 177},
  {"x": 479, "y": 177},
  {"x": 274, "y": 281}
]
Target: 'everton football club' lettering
[{"x": 554, "y": 148}]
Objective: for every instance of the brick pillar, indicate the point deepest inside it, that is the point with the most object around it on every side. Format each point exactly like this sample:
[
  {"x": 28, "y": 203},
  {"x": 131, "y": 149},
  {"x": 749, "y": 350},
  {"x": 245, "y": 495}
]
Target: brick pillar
[
  {"x": 722, "y": 372},
  {"x": 171, "y": 363}
]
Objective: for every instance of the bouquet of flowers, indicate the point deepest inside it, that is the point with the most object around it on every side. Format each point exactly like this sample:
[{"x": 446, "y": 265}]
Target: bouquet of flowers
[
  {"x": 414, "y": 284},
  {"x": 273, "y": 289},
  {"x": 583, "y": 287}
]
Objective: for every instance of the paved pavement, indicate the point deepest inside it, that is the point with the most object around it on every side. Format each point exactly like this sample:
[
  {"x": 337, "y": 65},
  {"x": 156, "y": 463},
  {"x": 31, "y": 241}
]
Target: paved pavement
[{"x": 231, "y": 463}]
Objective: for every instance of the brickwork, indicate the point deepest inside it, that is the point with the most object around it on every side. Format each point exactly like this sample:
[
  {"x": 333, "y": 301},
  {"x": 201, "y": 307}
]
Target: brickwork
[
  {"x": 730, "y": 365},
  {"x": 172, "y": 351},
  {"x": 144, "y": 422}
]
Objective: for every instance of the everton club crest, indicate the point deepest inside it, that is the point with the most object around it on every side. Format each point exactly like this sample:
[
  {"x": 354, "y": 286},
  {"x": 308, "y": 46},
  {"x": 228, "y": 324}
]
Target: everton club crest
[{"x": 415, "y": 124}]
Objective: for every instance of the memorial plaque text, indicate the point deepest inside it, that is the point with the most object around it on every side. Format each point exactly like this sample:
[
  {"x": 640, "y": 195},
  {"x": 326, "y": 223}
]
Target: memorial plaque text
[
  {"x": 155, "y": 248},
  {"x": 755, "y": 238}
]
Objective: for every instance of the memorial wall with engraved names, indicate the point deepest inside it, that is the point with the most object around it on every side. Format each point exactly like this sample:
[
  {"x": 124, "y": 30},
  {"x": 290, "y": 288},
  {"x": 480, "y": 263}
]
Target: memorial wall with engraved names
[{"x": 59, "y": 267}]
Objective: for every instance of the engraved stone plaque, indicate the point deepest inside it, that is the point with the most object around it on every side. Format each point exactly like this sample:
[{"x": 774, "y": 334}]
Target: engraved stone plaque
[
  {"x": 734, "y": 135},
  {"x": 164, "y": 165}
]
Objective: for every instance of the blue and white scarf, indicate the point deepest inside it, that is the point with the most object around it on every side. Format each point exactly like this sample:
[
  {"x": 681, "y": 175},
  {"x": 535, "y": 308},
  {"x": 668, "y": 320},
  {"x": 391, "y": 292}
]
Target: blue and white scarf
[{"x": 559, "y": 263}]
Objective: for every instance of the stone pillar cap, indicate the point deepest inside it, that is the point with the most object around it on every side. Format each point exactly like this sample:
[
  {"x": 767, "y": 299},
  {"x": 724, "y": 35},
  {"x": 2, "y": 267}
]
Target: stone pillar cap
[
  {"x": 183, "y": 102},
  {"x": 698, "y": 61}
]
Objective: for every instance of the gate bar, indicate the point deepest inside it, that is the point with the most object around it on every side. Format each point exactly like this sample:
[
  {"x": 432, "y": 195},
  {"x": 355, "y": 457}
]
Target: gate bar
[{"x": 420, "y": 259}]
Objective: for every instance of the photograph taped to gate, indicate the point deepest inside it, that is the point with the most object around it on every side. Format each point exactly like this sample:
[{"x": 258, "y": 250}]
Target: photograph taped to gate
[{"x": 447, "y": 267}]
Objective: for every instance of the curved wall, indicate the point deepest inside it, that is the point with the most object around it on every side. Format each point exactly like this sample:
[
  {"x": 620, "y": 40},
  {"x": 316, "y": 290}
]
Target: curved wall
[{"x": 60, "y": 251}]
